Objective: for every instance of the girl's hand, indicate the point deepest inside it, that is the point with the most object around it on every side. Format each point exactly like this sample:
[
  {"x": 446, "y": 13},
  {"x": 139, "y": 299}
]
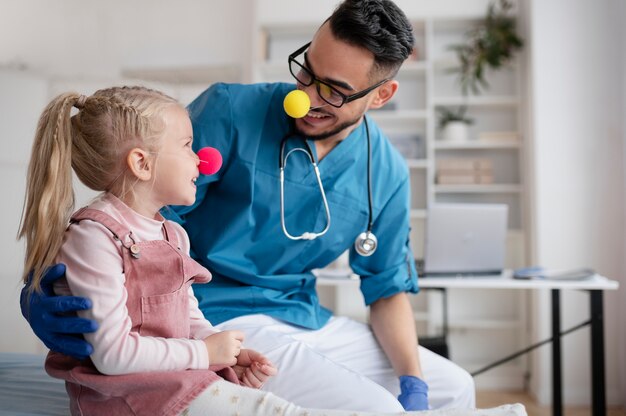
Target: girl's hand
[
  {"x": 253, "y": 368},
  {"x": 224, "y": 347}
]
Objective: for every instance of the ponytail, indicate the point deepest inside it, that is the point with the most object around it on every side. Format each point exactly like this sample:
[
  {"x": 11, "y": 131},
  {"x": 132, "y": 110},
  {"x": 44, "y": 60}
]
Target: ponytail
[
  {"x": 49, "y": 199},
  {"x": 94, "y": 144}
]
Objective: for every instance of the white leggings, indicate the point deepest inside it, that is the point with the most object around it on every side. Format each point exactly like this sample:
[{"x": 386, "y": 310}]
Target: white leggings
[
  {"x": 224, "y": 398},
  {"x": 228, "y": 399}
]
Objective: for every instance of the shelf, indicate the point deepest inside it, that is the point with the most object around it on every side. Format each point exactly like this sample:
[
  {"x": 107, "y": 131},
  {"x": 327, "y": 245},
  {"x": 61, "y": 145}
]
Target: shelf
[
  {"x": 482, "y": 101},
  {"x": 417, "y": 163},
  {"x": 201, "y": 74},
  {"x": 451, "y": 62},
  {"x": 454, "y": 24},
  {"x": 277, "y": 66},
  {"x": 413, "y": 67},
  {"x": 478, "y": 145},
  {"x": 446, "y": 63},
  {"x": 289, "y": 29},
  {"x": 398, "y": 115},
  {"x": 479, "y": 189},
  {"x": 273, "y": 67},
  {"x": 418, "y": 213}
]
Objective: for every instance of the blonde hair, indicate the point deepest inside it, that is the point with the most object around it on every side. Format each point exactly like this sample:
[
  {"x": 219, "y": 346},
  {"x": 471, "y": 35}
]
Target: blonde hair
[{"x": 94, "y": 143}]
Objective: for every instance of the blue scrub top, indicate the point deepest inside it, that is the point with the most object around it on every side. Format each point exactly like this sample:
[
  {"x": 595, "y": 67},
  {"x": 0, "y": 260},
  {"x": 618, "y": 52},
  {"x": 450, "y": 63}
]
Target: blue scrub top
[{"x": 234, "y": 226}]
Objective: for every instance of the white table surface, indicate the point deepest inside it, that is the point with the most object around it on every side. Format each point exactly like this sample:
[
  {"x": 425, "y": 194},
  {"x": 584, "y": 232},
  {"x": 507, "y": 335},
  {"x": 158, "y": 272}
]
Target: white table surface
[{"x": 504, "y": 281}]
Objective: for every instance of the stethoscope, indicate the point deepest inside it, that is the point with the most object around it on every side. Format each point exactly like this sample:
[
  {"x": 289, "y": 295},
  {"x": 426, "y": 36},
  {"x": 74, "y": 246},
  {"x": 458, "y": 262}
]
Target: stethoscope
[{"x": 366, "y": 242}]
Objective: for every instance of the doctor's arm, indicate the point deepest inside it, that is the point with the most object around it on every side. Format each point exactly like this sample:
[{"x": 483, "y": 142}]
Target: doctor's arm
[
  {"x": 386, "y": 276},
  {"x": 392, "y": 322}
]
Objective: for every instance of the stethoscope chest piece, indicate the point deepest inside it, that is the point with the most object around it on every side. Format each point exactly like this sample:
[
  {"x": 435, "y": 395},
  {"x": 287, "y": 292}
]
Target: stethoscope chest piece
[{"x": 366, "y": 243}]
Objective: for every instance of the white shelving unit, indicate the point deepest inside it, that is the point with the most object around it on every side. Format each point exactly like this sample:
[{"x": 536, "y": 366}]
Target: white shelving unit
[{"x": 410, "y": 121}]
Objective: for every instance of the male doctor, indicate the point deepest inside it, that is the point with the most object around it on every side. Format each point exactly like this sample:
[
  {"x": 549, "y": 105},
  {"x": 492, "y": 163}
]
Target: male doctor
[{"x": 261, "y": 239}]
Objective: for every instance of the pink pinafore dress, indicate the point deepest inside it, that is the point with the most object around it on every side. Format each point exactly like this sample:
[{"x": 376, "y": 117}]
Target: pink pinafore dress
[{"x": 158, "y": 276}]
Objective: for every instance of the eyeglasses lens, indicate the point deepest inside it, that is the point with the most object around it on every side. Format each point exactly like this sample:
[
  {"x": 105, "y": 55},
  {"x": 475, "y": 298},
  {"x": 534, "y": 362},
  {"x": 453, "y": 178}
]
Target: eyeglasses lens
[{"x": 306, "y": 78}]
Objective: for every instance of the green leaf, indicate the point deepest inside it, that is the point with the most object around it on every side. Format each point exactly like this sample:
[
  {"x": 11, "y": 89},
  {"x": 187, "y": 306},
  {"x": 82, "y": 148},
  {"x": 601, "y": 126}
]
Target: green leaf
[{"x": 491, "y": 44}]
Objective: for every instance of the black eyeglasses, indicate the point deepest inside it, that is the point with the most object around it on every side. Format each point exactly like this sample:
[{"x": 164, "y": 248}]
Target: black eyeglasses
[{"x": 327, "y": 92}]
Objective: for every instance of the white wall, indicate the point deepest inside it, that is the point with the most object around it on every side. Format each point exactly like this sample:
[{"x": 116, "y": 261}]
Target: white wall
[
  {"x": 48, "y": 47},
  {"x": 21, "y": 99},
  {"x": 578, "y": 153},
  {"x": 74, "y": 38},
  {"x": 280, "y": 11}
]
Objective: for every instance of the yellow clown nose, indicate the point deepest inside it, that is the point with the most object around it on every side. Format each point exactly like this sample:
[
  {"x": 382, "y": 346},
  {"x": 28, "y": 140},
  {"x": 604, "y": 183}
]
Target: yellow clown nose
[{"x": 297, "y": 104}]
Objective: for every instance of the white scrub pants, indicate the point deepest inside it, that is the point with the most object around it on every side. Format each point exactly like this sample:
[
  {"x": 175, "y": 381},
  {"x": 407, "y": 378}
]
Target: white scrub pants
[{"x": 342, "y": 366}]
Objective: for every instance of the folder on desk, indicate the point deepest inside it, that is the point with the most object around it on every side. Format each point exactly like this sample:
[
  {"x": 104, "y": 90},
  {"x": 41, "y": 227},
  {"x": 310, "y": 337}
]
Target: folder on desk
[
  {"x": 541, "y": 273},
  {"x": 465, "y": 239}
]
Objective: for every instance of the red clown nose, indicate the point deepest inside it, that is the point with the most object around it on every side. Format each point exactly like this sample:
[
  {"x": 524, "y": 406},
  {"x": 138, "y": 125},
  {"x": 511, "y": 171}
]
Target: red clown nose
[{"x": 210, "y": 160}]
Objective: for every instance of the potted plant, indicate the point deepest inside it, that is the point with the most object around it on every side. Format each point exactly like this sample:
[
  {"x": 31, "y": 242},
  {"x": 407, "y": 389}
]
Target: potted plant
[
  {"x": 491, "y": 44},
  {"x": 453, "y": 124}
]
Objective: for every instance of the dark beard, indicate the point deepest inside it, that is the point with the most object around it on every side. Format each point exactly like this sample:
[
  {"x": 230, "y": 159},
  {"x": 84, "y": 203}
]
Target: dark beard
[{"x": 329, "y": 133}]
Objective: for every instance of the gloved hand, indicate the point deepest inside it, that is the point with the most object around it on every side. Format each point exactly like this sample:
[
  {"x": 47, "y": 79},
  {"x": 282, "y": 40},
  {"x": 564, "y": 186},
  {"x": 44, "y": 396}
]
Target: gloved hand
[
  {"x": 413, "y": 393},
  {"x": 45, "y": 314}
]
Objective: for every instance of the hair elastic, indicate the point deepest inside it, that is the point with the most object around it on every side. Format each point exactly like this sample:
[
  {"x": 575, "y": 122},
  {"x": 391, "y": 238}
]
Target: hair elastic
[{"x": 80, "y": 102}]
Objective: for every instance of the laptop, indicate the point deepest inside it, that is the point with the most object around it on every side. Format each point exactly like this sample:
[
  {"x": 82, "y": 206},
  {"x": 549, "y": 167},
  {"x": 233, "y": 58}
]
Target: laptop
[{"x": 465, "y": 239}]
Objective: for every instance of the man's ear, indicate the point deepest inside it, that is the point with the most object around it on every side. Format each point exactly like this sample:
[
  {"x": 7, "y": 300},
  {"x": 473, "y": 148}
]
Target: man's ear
[
  {"x": 140, "y": 164},
  {"x": 384, "y": 93}
]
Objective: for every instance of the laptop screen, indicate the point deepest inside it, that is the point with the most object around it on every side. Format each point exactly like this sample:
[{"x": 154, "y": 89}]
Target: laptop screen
[{"x": 465, "y": 239}]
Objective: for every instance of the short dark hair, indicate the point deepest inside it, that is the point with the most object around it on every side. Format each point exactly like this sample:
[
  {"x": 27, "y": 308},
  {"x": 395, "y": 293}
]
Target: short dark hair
[{"x": 378, "y": 26}]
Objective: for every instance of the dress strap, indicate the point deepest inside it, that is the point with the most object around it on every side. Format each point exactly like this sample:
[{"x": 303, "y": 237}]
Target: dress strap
[
  {"x": 118, "y": 230},
  {"x": 170, "y": 234}
]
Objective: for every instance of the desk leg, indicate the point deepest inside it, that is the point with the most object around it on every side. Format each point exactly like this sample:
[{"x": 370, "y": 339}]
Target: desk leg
[
  {"x": 598, "y": 393},
  {"x": 557, "y": 392}
]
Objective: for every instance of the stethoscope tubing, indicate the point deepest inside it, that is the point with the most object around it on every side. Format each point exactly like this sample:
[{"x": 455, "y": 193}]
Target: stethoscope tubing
[
  {"x": 370, "y": 221},
  {"x": 309, "y": 152}
]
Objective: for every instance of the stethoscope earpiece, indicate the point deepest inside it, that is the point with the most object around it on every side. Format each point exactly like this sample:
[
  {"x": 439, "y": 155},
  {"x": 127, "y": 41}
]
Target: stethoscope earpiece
[{"x": 366, "y": 243}]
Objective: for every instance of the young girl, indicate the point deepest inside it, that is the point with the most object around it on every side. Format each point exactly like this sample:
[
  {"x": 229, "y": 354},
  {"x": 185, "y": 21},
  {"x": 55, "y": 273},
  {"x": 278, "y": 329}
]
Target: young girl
[
  {"x": 154, "y": 352},
  {"x": 134, "y": 145}
]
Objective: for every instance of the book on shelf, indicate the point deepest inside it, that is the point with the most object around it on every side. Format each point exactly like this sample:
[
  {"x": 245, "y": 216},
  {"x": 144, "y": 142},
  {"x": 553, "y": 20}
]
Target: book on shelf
[{"x": 464, "y": 171}]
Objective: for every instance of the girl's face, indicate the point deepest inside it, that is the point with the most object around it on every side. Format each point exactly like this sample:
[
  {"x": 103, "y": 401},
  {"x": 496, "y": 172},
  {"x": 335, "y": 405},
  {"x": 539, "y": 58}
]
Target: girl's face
[{"x": 177, "y": 164}]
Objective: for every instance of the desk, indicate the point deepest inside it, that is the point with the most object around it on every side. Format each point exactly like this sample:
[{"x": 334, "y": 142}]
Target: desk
[{"x": 596, "y": 287}]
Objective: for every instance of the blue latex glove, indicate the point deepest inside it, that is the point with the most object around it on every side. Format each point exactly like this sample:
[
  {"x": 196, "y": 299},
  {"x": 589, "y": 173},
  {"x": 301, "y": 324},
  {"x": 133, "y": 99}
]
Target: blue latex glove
[
  {"x": 48, "y": 318},
  {"x": 413, "y": 393}
]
